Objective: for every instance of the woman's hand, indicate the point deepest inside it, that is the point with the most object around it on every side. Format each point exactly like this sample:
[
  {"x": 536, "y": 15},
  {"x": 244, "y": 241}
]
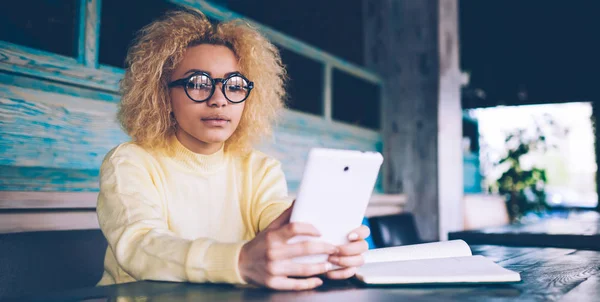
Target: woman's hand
[
  {"x": 350, "y": 255},
  {"x": 266, "y": 260}
]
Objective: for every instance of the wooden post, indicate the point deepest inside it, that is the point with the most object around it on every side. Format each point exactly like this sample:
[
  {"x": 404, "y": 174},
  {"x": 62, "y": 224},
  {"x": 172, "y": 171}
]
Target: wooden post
[
  {"x": 413, "y": 45},
  {"x": 327, "y": 91},
  {"x": 89, "y": 30}
]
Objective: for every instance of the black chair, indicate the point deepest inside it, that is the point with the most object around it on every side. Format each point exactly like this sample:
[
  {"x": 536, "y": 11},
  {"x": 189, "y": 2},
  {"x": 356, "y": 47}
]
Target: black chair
[
  {"x": 394, "y": 230},
  {"x": 41, "y": 262}
]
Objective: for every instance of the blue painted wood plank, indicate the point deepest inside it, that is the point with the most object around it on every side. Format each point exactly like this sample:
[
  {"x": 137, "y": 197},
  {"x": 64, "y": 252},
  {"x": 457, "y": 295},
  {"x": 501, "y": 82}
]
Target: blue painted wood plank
[
  {"x": 297, "y": 133},
  {"x": 55, "y": 87},
  {"x": 47, "y": 179},
  {"x": 37, "y": 63},
  {"x": 41, "y": 129},
  {"x": 108, "y": 68}
]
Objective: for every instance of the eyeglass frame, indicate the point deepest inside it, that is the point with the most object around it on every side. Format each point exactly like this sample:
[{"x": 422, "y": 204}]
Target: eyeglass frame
[{"x": 184, "y": 81}]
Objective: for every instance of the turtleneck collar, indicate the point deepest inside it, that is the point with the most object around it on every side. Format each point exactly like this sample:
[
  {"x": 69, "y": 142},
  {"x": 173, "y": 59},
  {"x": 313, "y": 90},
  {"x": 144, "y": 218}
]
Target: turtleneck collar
[{"x": 199, "y": 163}]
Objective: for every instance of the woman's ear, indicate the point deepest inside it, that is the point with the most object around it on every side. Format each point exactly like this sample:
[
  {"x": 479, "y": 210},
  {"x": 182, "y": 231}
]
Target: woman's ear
[{"x": 172, "y": 115}]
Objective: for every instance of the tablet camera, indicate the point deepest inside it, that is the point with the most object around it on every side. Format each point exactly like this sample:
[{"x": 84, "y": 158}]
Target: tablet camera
[{"x": 346, "y": 169}]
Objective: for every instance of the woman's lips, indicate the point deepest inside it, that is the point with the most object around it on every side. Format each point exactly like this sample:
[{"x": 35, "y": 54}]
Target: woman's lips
[{"x": 218, "y": 121}]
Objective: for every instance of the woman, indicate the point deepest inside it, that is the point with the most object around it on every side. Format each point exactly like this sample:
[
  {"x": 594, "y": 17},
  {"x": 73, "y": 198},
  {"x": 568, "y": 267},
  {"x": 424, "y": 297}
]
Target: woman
[{"x": 188, "y": 199}]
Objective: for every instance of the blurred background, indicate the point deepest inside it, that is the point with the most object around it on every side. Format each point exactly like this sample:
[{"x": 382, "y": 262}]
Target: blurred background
[{"x": 476, "y": 105}]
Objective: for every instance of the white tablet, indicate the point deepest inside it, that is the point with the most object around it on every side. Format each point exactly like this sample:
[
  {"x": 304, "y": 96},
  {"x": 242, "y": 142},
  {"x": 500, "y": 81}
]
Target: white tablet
[{"x": 334, "y": 193}]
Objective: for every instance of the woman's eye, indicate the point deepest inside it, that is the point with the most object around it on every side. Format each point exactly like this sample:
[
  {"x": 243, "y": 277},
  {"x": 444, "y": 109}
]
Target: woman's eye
[
  {"x": 234, "y": 87},
  {"x": 201, "y": 86}
]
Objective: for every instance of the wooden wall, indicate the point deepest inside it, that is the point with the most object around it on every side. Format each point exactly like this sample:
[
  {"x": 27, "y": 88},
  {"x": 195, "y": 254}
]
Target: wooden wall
[
  {"x": 57, "y": 121},
  {"x": 55, "y": 141}
]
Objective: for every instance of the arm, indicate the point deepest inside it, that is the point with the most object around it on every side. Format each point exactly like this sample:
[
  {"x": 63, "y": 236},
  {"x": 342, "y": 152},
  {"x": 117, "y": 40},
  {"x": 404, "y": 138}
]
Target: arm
[
  {"x": 267, "y": 259},
  {"x": 270, "y": 197},
  {"x": 271, "y": 201},
  {"x": 133, "y": 218}
]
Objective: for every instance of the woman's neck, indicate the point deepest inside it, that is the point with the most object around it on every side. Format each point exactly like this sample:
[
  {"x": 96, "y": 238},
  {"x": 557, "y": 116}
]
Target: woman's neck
[{"x": 195, "y": 145}]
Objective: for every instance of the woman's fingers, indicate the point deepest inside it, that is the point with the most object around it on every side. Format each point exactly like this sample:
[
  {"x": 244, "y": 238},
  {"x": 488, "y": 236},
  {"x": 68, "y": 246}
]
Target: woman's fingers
[
  {"x": 341, "y": 274},
  {"x": 347, "y": 261},
  {"x": 284, "y": 283},
  {"x": 297, "y": 229},
  {"x": 291, "y": 269},
  {"x": 353, "y": 248},
  {"x": 301, "y": 249},
  {"x": 359, "y": 233},
  {"x": 279, "y": 237}
]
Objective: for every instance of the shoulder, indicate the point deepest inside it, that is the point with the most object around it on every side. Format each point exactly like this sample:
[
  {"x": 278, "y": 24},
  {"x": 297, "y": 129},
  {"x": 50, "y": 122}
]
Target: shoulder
[
  {"x": 260, "y": 159},
  {"x": 259, "y": 163},
  {"x": 127, "y": 152}
]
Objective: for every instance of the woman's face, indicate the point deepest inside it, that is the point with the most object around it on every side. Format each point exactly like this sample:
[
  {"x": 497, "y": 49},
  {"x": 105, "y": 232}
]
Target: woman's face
[{"x": 203, "y": 127}]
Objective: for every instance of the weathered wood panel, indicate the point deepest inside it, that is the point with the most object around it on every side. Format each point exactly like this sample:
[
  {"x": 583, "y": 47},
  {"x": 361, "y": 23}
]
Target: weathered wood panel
[
  {"x": 48, "y": 221},
  {"x": 298, "y": 132},
  {"x": 41, "y": 129},
  {"x": 44, "y": 211},
  {"x": 15, "y": 178},
  {"x": 37, "y": 63},
  {"x": 26, "y": 200},
  {"x": 53, "y": 140},
  {"x": 54, "y": 87},
  {"x": 57, "y": 121},
  {"x": 29, "y": 200}
]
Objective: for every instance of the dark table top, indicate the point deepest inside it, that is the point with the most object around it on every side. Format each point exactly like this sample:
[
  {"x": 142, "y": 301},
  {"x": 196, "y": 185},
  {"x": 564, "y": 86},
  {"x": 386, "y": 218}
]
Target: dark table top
[
  {"x": 548, "y": 274},
  {"x": 580, "y": 231}
]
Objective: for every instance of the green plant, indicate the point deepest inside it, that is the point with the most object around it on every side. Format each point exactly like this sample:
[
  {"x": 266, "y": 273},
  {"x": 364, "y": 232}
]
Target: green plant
[{"x": 524, "y": 188}]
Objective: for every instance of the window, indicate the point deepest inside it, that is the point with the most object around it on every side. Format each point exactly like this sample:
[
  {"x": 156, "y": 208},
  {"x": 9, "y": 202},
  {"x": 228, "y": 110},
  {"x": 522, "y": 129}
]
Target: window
[
  {"x": 42, "y": 24},
  {"x": 329, "y": 25},
  {"x": 305, "y": 83},
  {"x": 120, "y": 21},
  {"x": 355, "y": 101},
  {"x": 471, "y": 131}
]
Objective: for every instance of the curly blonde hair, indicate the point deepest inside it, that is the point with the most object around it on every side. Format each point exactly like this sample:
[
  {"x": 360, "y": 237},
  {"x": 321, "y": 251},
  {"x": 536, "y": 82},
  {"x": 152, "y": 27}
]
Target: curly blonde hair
[{"x": 145, "y": 107}]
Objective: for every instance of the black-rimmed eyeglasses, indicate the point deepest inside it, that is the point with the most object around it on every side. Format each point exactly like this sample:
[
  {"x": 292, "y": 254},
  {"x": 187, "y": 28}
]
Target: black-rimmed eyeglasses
[{"x": 200, "y": 87}]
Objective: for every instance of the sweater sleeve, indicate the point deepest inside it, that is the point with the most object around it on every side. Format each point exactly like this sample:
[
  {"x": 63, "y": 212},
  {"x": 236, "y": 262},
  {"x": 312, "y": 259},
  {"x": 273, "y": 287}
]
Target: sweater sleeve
[
  {"x": 271, "y": 194},
  {"x": 133, "y": 218}
]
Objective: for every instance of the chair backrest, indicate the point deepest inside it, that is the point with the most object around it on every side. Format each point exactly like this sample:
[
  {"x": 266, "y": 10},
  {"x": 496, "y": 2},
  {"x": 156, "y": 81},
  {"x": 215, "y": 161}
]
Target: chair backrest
[
  {"x": 369, "y": 239},
  {"x": 41, "y": 262},
  {"x": 394, "y": 230}
]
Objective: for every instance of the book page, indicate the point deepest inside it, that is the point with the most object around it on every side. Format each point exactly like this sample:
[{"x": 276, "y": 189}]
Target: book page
[
  {"x": 470, "y": 269},
  {"x": 443, "y": 249}
]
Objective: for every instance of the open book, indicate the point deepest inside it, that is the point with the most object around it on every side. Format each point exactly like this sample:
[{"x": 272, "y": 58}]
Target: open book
[{"x": 431, "y": 263}]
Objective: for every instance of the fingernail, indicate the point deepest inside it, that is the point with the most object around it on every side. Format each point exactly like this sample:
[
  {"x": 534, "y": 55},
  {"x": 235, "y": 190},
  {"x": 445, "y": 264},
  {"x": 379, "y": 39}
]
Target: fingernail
[
  {"x": 328, "y": 266},
  {"x": 353, "y": 236}
]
